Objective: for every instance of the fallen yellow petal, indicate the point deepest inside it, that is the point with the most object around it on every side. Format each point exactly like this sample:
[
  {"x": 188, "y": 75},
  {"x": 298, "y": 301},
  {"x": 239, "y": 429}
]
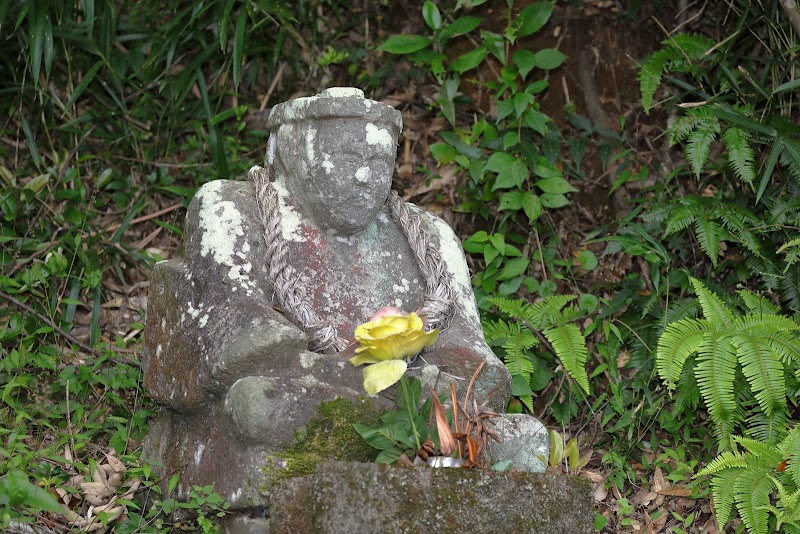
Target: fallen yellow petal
[{"x": 381, "y": 375}]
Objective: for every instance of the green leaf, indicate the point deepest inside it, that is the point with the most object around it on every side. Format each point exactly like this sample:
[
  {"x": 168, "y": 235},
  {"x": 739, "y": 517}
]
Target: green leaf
[
  {"x": 511, "y": 200},
  {"x": 460, "y": 26},
  {"x": 553, "y": 201},
  {"x": 490, "y": 253},
  {"x": 238, "y": 47},
  {"x": 468, "y": 61},
  {"x": 405, "y": 44},
  {"x": 514, "y": 267},
  {"x": 587, "y": 259},
  {"x": 533, "y": 17},
  {"x": 525, "y": 61},
  {"x": 513, "y": 177},
  {"x": 431, "y": 15},
  {"x": 521, "y": 103},
  {"x": 20, "y": 491},
  {"x": 500, "y": 162},
  {"x": 536, "y": 121},
  {"x": 556, "y": 184},
  {"x": 549, "y": 58},
  {"x": 81, "y": 87},
  {"x": 498, "y": 242},
  {"x": 788, "y": 86},
  {"x": 532, "y": 206}
]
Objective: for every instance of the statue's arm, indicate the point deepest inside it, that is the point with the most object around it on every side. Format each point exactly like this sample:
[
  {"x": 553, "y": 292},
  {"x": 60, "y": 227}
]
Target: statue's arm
[{"x": 210, "y": 317}]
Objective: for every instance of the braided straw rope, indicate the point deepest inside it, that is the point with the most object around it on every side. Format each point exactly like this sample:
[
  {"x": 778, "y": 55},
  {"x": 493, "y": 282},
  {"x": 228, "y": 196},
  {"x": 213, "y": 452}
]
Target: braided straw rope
[{"x": 438, "y": 305}]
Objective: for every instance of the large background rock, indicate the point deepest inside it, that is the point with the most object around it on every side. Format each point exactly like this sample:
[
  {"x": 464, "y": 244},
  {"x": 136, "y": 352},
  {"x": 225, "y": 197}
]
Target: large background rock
[{"x": 367, "y": 498}]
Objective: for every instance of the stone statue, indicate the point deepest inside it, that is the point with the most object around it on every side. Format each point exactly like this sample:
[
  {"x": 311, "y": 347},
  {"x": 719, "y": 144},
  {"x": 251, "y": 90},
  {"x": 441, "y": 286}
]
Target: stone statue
[{"x": 244, "y": 329}]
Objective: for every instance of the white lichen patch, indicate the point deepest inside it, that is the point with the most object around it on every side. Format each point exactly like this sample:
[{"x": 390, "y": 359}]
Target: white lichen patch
[
  {"x": 367, "y": 103},
  {"x": 398, "y": 303},
  {"x": 382, "y": 217},
  {"x": 453, "y": 258},
  {"x": 290, "y": 219},
  {"x": 311, "y": 136},
  {"x": 235, "y": 495},
  {"x": 163, "y": 324},
  {"x": 401, "y": 288},
  {"x": 198, "y": 454},
  {"x": 378, "y": 136},
  {"x": 296, "y": 109},
  {"x": 203, "y": 321},
  {"x": 308, "y": 359},
  {"x": 343, "y": 92},
  {"x": 363, "y": 174},
  {"x": 159, "y": 348},
  {"x": 327, "y": 164},
  {"x": 222, "y": 228}
]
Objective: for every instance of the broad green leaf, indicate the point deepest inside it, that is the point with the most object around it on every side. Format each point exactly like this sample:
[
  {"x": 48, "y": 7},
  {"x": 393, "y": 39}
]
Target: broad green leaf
[
  {"x": 521, "y": 103},
  {"x": 552, "y": 201},
  {"x": 514, "y": 267},
  {"x": 431, "y": 15},
  {"x": 468, "y": 61},
  {"x": 536, "y": 121},
  {"x": 532, "y": 206},
  {"x": 490, "y": 253},
  {"x": 556, "y": 184},
  {"x": 460, "y": 26},
  {"x": 533, "y": 17},
  {"x": 443, "y": 153},
  {"x": 588, "y": 261},
  {"x": 525, "y": 61},
  {"x": 543, "y": 169},
  {"x": 21, "y": 491},
  {"x": 405, "y": 44},
  {"x": 511, "y": 200},
  {"x": 498, "y": 242},
  {"x": 499, "y": 162},
  {"x": 513, "y": 177},
  {"x": 549, "y": 59},
  {"x": 381, "y": 375}
]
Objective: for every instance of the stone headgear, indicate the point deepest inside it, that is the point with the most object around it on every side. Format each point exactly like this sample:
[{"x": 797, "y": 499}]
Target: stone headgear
[{"x": 336, "y": 102}]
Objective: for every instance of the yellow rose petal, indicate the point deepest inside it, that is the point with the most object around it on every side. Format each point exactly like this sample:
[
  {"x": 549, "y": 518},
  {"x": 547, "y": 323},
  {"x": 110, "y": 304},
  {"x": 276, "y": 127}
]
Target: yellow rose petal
[{"x": 381, "y": 375}]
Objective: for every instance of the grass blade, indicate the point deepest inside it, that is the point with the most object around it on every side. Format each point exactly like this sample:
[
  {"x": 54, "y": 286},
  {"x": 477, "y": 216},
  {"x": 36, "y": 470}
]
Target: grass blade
[
  {"x": 777, "y": 148},
  {"x": 87, "y": 79},
  {"x": 238, "y": 48}
]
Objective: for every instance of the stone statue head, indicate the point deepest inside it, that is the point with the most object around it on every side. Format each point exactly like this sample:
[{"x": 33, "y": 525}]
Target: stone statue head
[{"x": 334, "y": 153}]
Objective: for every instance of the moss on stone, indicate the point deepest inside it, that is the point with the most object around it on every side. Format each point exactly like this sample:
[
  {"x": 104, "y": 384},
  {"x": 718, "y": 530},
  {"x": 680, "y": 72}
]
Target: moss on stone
[{"x": 329, "y": 436}]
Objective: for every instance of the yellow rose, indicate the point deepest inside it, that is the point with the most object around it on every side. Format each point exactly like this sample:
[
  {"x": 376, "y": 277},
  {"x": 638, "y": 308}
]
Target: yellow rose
[
  {"x": 392, "y": 337},
  {"x": 385, "y": 343}
]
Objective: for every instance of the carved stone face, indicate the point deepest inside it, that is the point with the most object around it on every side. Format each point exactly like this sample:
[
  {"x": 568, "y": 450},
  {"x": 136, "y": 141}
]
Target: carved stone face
[{"x": 338, "y": 170}]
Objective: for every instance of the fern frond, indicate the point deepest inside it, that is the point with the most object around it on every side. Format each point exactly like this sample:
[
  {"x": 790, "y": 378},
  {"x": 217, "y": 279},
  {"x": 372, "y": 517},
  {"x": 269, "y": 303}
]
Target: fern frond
[
  {"x": 699, "y": 142},
  {"x": 723, "y": 489},
  {"x": 716, "y": 374},
  {"x": 546, "y": 312},
  {"x": 790, "y": 450},
  {"x": 679, "y": 340},
  {"x": 570, "y": 347},
  {"x": 709, "y": 237},
  {"x": 714, "y": 310},
  {"x": 740, "y": 154},
  {"x": 694, "y": 47},
  {"x": 758, "y": 305},
  {"x": 753, "y": 488},
  {"x": 650, "y": 75},
  {"x": 790, "y": 157},
  {"x": 740, "y": 222},
  {"x": 679, "y": 219},
  {"x": 764, "y": 372},
  {"x": 764, "y": 455},
  {"x": 515, "y": 341},
  {"x": 726, "y": 460},
  {"x": 682, "y": 127},
  {"x": 767, "y": 428}
]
